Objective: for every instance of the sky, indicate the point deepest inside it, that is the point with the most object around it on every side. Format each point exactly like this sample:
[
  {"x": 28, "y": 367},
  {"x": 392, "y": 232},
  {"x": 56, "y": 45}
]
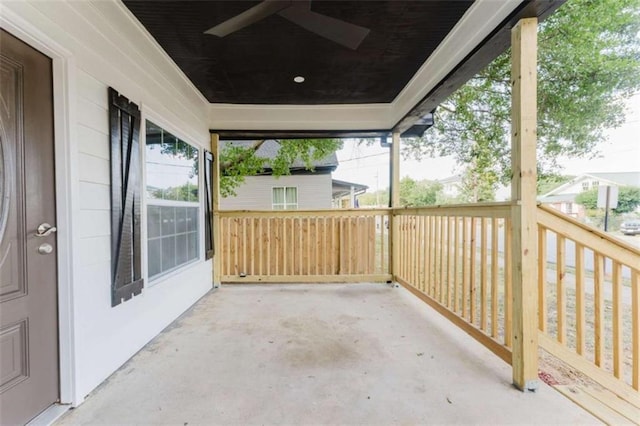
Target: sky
[{"x": 369, "y": 165}]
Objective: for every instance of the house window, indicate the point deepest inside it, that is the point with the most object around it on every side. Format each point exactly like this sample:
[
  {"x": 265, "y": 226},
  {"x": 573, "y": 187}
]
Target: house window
[
  {"x": 173, "y": 206},
  {"x": 285, "y": 198},
  {"x": 595, "y": 184},
  {"x": 585, "y": 186}
]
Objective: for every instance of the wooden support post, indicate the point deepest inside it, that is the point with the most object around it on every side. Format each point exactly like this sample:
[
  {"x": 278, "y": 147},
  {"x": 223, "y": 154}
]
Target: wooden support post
[
  {"x": 394, "y": 159},
  {"x": 523, "y": 196},
  {"x": 217, "y": 230}
]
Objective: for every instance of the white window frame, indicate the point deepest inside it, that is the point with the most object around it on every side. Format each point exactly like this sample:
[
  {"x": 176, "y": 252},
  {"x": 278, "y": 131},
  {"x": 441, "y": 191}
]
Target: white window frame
[
  {"x": 148, "y": 115},
  {"x": 285, "y": 205}
]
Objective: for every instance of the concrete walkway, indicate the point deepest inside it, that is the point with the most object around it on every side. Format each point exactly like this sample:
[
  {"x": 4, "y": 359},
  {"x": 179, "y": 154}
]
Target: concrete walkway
[{"x": 317, "y": 354}]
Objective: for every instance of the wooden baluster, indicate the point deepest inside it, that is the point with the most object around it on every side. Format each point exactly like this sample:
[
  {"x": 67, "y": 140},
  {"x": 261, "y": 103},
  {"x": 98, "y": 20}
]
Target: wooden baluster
[
  {"x": 260, "y": 247},
  {"x": 508, "y": 284},
  {"x": 560, "y": 289},
  {"x": 494, "y": 278},
  {"x": 450, "y": 260},
  {"x": 442, "y": 246},
  {"x": 483, "y": 274},
  {"x": 414, "y": 251},
  {"x": 236, "y": 244},
  {"x": 472, "y": 274},
  {"x": 245, "y": 245},
  {"x": 598, "y": 308},
  {"x": 542, "y": 278},
  {"x": 580, "y": 308},
  {"x": 285, "y": 246},
  {"x": 618, "y": 348},
  {"x": 456, "y": 267},
  {"x": 420, "y": 236},
  {"x": 635, "y": 328}
]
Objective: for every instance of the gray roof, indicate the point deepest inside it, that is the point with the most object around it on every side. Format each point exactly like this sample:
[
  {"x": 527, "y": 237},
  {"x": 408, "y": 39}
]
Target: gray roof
[
  {"x": 269, "y": 150},
  {"x": 341, "y": 188},
  {"x": 617, "y": 178},
  {"x": 621, "y": 178}
]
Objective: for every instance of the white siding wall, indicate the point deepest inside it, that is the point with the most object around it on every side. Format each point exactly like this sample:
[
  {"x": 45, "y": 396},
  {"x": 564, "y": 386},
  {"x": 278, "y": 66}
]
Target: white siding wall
[
  {"x": 314, "y": 192},
  {"x": 105, "y": 47}
]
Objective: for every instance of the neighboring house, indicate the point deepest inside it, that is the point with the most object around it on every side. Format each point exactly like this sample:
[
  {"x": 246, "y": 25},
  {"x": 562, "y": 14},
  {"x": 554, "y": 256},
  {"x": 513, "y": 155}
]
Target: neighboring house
[
  {"x": 451, "y": 186},
  {"x": 301, "y": 190},
  {"x": 563, "y": 197},
  {"x": 345, "y": 193}
]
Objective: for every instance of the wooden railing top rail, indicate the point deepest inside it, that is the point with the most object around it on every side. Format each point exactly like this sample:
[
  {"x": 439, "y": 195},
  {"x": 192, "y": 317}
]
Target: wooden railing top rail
[
  {"x": 305, "y": 213},
  {"x": 589, "y": 237},
  {"x": 493, "y": 209}
]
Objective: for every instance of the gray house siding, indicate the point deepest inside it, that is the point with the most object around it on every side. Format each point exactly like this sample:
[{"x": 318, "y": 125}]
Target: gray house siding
[{"x": 314, "y": 192}]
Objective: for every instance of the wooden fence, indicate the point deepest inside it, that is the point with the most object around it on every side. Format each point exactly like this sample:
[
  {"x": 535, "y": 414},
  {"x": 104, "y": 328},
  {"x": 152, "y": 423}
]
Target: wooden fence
[
  {"x": 589, "y": 301},
  {"x": 305, "y": 246},
  {"x": 453, "y": 258}
]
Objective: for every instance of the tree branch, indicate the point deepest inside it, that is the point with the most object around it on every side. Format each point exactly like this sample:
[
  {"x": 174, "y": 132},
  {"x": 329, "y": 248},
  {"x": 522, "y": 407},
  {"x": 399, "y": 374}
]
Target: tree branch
[{"x": 239, "y": 159}]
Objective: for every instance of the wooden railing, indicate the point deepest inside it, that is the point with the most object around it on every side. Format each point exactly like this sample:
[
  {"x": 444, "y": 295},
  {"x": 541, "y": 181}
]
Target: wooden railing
[
  {"x": 589, "y": 301},
  {"x": 305, "y": 246},
  {"x": 457, "y": 259}
]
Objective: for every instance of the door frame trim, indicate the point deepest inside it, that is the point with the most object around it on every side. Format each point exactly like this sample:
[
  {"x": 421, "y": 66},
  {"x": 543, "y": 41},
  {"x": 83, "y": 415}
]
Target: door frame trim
[{"x": 65, "y": 144}]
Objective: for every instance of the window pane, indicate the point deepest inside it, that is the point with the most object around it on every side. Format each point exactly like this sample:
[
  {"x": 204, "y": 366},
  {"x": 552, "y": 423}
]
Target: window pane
[
  {"x": 278, "y": 196},
  {"x": 181, "y": 220},
  {"x": 153, "y": 221},
  {"x": 292, "y": 195},
  {"x": 172, "y": 166},
  {"x": 168, "y": 253},
  {"x": 175, "y": 237},
  {"x": 155, "y": 257},
  {"x": 192, "y": 249},
  {"x": 168, "y": 220},
  {"x": 182, "y": 255}
]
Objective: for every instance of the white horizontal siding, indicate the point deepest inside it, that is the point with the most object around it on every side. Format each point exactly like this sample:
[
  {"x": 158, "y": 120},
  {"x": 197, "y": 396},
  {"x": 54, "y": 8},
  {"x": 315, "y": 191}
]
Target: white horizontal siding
[
  {"x": 93, "y": 142},
  {"x": 314, "y": 192},
  {"x": 106, "y": 47}
]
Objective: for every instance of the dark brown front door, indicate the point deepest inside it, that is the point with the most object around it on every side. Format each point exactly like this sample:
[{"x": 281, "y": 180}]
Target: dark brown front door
[{"x": 28, "y": 274}]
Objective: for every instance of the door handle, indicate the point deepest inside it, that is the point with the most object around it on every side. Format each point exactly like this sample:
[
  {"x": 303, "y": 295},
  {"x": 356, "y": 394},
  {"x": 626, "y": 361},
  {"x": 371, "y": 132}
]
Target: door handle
[{"x": 44, "y": 230}]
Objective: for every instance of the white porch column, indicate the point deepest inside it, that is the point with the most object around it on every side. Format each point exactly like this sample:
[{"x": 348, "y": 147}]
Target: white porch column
[
  {"x": 217, "y": 241},
  {"x": 523, "y": 195}
]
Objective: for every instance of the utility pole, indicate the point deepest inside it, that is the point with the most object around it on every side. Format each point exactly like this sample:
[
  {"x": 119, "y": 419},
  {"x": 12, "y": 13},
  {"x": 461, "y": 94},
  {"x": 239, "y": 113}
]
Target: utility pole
[{"x": 606, "y": 209}]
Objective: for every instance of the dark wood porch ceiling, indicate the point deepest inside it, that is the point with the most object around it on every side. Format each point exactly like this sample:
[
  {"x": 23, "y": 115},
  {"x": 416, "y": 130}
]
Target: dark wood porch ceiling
[{"x": 257, "y": 64}]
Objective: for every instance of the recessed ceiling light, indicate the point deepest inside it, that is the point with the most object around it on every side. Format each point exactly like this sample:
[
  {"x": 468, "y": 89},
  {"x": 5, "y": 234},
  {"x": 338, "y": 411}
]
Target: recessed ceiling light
[{"x": 298, "y": 79}]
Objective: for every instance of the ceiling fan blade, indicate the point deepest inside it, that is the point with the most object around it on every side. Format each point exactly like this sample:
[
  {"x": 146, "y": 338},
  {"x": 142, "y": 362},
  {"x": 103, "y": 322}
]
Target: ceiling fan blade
[
  {"x": 248, "y": 17},
  {"x": 336, "y": 30}
]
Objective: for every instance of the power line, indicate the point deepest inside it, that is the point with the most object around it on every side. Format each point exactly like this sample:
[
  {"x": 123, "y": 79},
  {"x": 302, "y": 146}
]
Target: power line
[{"x": 364, "y": 156}]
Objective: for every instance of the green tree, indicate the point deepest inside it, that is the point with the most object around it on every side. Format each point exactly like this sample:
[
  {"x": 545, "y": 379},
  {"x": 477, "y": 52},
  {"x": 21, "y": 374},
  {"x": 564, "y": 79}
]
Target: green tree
[
  {"x": 628, "y": 199},
  {"x": 237, "y": 162},
  {"x": 376, "y": 198},
  {"x": 418, "y": 193},
  {"x": 589, "y": 64}
]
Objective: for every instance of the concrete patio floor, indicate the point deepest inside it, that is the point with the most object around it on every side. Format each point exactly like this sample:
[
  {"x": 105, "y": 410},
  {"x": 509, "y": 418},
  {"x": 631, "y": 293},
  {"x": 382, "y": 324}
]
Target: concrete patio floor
[{"x": 317, "y": 354}]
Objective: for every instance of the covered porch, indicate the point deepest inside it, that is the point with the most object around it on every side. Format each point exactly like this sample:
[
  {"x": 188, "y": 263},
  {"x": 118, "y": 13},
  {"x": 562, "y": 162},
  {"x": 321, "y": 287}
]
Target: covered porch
[
  {"x": 381, "y": 316},
  {"x": 317, "y": 354}
]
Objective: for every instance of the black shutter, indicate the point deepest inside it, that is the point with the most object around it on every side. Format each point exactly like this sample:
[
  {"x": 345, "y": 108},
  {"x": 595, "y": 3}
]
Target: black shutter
[
  {"x": 126, "y": 247},
  {"x": 208, "y": 207}
]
